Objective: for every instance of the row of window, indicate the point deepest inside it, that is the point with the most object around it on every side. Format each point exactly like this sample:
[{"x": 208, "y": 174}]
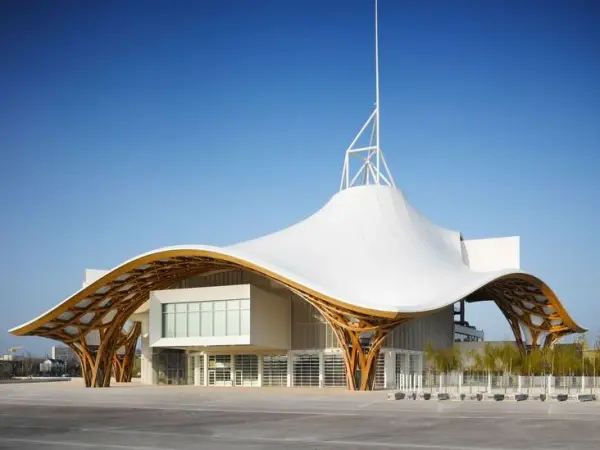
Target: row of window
[{"x": 206, "y": 319}]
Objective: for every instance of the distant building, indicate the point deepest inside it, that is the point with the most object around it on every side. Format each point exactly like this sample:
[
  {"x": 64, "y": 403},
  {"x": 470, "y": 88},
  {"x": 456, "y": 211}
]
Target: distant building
[
  {"x": 463, "y": 330},
  {"x": 467, "y": 333},
  {"x": 53, "y": 366},
  {"x": 63, "y": 353},
  {"x": 20, "y": 365},
  {"x": 11, "y": 357},
  {"x": 6, "y": 369}
]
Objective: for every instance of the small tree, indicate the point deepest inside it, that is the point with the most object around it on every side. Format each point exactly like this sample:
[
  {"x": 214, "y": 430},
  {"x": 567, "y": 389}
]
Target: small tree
[
  {"x": 431, "y": 356},
  {"x": 477, "y": 365},
  {"x": 507, "y": 357},
  {"x": 444, "y": 361},
  {"x": 490, "y": 362}
]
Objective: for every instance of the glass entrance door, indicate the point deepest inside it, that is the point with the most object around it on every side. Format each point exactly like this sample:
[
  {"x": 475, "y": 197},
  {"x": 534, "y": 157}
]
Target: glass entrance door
[
  {"x": 238, "y": 378},
  {"x": 220, "y": 365},
  {"x": 246, "y": 370}
]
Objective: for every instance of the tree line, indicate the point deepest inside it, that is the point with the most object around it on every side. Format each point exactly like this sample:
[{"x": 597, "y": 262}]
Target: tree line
[{"x": 573, "y": 359}]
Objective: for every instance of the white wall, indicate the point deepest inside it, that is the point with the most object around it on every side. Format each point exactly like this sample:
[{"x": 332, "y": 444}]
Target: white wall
[
  {"x": 270, "y": 319},
  {"x": 92, "y": 275},
  {"x": 483, "y": 255},
  {"x": 157, "y": 298}
]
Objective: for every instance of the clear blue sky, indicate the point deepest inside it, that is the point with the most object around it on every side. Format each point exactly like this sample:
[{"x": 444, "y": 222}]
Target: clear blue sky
[{"x": 126, "y": 126}]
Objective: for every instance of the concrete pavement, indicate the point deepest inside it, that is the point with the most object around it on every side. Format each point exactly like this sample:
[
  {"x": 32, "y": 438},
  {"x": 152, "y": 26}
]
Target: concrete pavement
[{"x": 134, "y": 417}]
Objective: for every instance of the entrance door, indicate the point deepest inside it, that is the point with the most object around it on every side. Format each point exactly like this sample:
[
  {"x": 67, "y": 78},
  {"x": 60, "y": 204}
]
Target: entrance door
[
  {"x": 246, "y": 370},
  {"x": 211, "y": 377},
  {"x": 220, "y": 365}
]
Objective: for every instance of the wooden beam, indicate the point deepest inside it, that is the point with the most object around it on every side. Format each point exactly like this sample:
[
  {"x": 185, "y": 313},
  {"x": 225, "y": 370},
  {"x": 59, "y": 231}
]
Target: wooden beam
[
  {"x": 123, "y": 362},
  {"x": 360, "y": 361}
]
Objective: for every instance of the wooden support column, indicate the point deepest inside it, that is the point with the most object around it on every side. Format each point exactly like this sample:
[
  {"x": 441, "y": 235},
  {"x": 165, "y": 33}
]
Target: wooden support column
[
  {"x": 123, "y": 362},
  {"x": 96, "y": 361},
  {"x": 360, "y": 338},
  {"x": 361, "y": 342}
]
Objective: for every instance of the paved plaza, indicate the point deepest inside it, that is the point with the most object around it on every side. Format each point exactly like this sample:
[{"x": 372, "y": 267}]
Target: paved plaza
[{"x": 134, "y": 417}]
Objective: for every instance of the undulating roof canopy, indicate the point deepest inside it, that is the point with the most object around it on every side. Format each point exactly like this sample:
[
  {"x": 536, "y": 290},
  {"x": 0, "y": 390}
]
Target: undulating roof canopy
[{"x": 368, "y": 250}]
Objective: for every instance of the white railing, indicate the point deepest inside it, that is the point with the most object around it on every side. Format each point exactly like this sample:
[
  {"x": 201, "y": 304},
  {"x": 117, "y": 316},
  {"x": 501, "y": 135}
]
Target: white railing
[{"x": 467, "y": 383}]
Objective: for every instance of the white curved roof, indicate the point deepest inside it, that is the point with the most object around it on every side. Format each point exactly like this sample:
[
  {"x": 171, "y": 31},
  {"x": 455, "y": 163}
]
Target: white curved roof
[{"x": 368, "y": 246}]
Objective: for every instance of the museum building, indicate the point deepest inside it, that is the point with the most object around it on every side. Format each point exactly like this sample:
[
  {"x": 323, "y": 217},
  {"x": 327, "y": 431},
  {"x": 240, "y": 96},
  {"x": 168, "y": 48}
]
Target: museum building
[{"x": 349, "y": 296}]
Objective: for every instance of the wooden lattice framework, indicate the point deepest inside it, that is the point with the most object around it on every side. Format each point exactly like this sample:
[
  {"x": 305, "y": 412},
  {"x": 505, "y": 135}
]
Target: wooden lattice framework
[
  {"x": 91, "y": 321},
  {"x": 124, "y": 358},
  {"x": 93, "y": 327},
  {"x": 535, "y": 315}
]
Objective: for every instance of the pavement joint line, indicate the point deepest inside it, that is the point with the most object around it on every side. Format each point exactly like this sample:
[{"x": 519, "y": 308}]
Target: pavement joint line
[
  {"x": 80, "y": 444},
  {"x": 345, "y": 443},
  {"x": 195, "y": 408},
  {"x": 334, "y": 442},
  {"x": 551, "y": 409}
]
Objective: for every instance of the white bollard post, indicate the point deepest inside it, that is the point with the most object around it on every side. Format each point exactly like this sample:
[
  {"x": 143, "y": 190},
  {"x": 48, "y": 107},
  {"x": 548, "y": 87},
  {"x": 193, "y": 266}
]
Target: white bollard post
[
  {"x": 520, "y": 383},
  {"x": 582, "y": 383}
]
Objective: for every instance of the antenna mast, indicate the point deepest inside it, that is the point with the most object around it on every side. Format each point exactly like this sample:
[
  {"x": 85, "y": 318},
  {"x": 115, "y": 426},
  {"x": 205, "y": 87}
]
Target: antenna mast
[{"x": 370, "y": 171}]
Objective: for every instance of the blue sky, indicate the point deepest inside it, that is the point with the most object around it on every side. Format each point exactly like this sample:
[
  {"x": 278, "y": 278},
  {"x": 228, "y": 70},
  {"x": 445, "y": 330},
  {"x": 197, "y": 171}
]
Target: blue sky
[{"x": 127, "y": 126}]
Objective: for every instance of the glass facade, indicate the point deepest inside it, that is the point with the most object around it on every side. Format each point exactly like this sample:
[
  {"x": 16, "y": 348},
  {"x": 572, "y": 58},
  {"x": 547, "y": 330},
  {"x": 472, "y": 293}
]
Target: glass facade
[
  {"x": 305, "y": 368},
  {"x": 311, "y": 358},
  {"x": 379, "y": 382},
  {"x": 246, "y": 370},
  {"x": 275, "y": 369},
  {"x": 335, "y": 370},
  {"x": 170, "y": 365},
  {"x": 219, "y": 370},
  {"x": 206, "y": 319}
]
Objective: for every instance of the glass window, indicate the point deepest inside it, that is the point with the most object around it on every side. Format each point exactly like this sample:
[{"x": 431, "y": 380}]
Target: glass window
[
  {"x": 206, "y": 306},
  {"x": 169, "y": 325},
  {"x": 220, "y": 323},
  {"x": 193, "y": 325},
  {"x": 245, "y": 322},
  {"x": 233, "y": 304},
  {"x": 233, "y": 322},
  {"x": 180, "y": 324},
  {"x": 210, "y": 318},
  {"x": 206, "y": 323},
  {"x": 220, "y": 305}
]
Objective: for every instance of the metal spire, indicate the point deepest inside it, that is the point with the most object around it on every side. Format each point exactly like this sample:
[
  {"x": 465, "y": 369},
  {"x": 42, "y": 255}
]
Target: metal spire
[{"x": 372, "y": 158}]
